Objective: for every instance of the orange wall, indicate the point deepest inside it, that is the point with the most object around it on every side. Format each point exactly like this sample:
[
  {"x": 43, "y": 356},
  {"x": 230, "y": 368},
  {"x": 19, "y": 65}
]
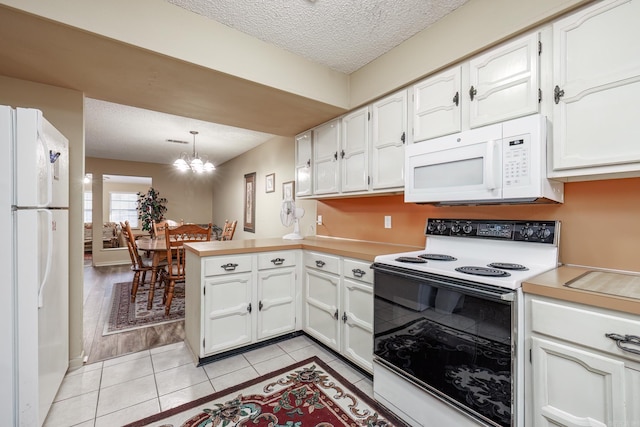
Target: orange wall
[{"x": 600, "y": 221}]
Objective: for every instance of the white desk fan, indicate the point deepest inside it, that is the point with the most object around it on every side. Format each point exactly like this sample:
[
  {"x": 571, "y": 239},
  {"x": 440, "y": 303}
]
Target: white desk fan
[{"x": 289, "y": 214}]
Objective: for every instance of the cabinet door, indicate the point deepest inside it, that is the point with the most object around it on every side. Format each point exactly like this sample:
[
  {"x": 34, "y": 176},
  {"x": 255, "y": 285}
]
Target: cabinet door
[
  {"x": 354, "y": 155},
  {"x": 436, "y": 105},
  {"x": 321, "y": 307},
  {"x": 597, "y": 74},
  {"x": 504, "y": 82},
  {"x": 357, "y": 323},
  {"x": 227, "y": 312},
  {"x": 325, "y": 157},
  {"x": 303, "y": 164},
  {"x": 573, "y": 387},
  {"x": 276, "y": 302},
  {"x": 388, "y": 139}
]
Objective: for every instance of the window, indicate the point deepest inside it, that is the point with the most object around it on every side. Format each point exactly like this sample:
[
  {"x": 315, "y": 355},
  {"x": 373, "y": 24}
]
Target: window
[
  {"x": 88, "y": 206},
  {"x": 123, "y": 208}
]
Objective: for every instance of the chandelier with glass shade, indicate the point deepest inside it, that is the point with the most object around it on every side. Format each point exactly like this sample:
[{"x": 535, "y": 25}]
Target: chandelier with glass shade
[{"x": 195, "y": 163}]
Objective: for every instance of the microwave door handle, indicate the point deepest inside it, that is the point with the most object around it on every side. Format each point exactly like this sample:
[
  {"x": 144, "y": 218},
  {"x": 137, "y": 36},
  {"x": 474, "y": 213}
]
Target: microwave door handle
[{"x": 489, "y": 173}]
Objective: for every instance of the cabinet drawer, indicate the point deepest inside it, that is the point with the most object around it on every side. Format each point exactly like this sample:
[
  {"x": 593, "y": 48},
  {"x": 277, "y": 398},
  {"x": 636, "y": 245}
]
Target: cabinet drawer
[
  {"x": 321, "y": 261},
  {"x": 215, "y": 266},
  {"x": 584, "y": 325},
  {"x": 268, "y": 260},
  {"x": 357, "y": 270}
]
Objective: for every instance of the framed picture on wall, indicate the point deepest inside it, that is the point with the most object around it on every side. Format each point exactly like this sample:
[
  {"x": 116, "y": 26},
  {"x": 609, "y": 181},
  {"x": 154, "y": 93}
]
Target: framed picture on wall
[
  {"x": 270, "y": 183},
  {"x": 288, "y": 190},
  {"x": 250, "y": 202}
]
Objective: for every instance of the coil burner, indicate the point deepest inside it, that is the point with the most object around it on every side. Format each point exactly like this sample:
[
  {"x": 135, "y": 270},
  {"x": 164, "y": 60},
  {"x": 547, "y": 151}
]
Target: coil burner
[
  {"x": 438, "y": 257},
  {"x": 483, "y": 271}
]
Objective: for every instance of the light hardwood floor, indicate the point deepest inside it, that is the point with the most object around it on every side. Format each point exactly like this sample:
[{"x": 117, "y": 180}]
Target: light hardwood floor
[{"x": 98, "y": 284}]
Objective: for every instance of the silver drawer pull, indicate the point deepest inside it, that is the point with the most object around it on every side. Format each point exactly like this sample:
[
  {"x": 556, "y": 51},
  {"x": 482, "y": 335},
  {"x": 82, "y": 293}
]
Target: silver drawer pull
[
  {"x": 229, "y": 266},
  {"x": 320, "y": 263},
  {"x": 278, "y": 261},
  {"x": 358, "y": 273},
  {"x": 626, "y": 339}
]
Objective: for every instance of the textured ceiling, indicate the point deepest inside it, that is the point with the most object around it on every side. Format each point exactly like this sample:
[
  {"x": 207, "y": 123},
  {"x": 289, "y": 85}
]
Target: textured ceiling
[{"x": 341, "y": 34}]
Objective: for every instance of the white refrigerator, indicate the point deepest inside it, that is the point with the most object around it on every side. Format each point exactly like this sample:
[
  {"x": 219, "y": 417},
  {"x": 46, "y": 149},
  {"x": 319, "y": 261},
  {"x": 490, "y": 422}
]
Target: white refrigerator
[{"x": 34, "y": 297}]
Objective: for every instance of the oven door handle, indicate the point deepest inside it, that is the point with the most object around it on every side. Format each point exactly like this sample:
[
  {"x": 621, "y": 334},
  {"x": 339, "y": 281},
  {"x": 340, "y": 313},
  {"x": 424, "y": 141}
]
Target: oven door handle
[{"x": 458, "y": 285}]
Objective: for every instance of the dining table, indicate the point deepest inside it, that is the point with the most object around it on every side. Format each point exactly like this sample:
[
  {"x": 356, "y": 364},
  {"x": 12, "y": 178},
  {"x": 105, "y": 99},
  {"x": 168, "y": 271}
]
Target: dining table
[{"x": 156, "y": 247}]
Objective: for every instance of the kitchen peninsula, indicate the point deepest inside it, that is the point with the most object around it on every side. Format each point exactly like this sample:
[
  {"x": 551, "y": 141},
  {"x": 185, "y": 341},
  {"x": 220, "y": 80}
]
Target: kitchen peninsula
[{"x": 244, "y": 292}]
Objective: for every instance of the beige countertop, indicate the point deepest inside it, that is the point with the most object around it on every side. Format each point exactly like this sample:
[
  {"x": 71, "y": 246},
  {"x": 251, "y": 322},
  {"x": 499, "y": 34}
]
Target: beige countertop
[
  {"x": 553, "y": 284},
  {"x": 366, "y": 251}
]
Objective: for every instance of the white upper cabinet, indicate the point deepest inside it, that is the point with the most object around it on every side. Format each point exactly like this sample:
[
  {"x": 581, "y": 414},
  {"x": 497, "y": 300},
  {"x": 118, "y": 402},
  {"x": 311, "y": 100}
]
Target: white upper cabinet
[
  {"x": 498, "y": 85},
  {"x": 436, "y": 105},
  {"x": 596, "y": 78},
  {"x": 388, "y": 138},
  {"x": 303, "y": 164},
  {"x": 326, "y": 143},
  {"x": 354, "y": 154}
]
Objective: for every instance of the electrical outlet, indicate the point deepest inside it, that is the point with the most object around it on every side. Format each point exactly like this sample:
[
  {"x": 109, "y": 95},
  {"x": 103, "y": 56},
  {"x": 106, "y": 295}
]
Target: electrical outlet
[
  {"x": 319, "y": 221},
  {"x": 387, "y": 221}
]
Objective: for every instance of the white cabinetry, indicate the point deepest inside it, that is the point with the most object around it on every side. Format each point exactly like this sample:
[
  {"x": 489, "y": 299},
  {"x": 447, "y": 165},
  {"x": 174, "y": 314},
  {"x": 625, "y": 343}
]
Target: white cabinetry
[
  {"x": 276, "y": 294},
  {"x": 388, "y": 140},
  {"x": 338, "y": 294},
  {"x": 501, "y": 84},
  {"x": 326, "y": 144},
  {"x": 357, "y": 312},
  {"x": 596, "y": 75},
  {"x": 578, "y": 375},
  {"x": 354, "y": 154},
  {"x": 236, "y": 300},
  {"x": 322, "y": 298},
  {"x": 303, "y": 155}
]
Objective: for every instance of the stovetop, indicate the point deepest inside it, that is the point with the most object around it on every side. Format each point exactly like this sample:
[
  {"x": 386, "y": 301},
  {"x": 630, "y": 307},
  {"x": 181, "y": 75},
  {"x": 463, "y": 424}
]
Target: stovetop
[{"x": 499, "y": 246}]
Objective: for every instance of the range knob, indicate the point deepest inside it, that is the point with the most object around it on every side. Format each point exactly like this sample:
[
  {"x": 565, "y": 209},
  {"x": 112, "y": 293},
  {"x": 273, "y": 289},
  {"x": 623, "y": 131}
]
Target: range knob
[
  {"x": 431, "y": 227},
  {"x": 442, "y": 227},
  {"x": 467, "y": 228},
  {"x": 455, "y": 228},
  {"x": 526, "y": 231},
  {"x": 543, "y": 233}
]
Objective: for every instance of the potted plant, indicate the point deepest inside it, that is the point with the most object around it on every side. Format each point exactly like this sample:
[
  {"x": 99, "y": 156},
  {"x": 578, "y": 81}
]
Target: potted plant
[{"x": 151, "y": 208}]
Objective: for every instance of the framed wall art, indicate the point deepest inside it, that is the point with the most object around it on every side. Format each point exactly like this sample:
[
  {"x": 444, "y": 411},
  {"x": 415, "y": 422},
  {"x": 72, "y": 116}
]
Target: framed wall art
[
  {"x": 250, "y": 202},
  {"x": 289, "y": 190},
  {"x": 270, "y": 183}
]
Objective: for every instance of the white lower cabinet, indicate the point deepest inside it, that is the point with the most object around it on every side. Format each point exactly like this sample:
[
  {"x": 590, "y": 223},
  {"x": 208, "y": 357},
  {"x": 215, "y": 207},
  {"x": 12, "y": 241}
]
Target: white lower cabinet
[
  {"x": 236, "y": 300},
  {"x": 338, "y": 303},
  {"x": 579, "y": 376}
]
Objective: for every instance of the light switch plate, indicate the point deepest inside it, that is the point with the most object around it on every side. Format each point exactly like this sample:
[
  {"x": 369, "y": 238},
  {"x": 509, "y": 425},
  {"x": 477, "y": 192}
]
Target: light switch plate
[{"x": 387, "y": 221}]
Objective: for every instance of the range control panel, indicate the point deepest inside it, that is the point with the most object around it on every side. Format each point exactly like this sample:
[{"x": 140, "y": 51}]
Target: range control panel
[{"x": 523, "y": 231}]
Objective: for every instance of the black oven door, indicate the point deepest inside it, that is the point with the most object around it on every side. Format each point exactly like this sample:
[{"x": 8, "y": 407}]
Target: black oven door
[{"x": 451, "y": 337}]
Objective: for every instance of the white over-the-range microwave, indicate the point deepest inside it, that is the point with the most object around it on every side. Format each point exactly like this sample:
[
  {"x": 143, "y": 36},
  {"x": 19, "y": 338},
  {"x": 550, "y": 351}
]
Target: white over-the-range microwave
[{"x": 503, "y": 163}]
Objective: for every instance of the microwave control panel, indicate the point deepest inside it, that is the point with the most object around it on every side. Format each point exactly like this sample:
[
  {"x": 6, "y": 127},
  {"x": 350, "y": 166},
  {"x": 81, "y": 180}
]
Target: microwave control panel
[
  {"x": 534, "y": 231},
  {"x": 516, "y": 161}
]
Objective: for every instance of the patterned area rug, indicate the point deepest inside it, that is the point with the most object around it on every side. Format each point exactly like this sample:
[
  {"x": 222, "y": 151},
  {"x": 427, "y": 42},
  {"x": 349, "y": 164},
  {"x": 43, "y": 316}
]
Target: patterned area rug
[
  {"x": 306, "y": 394},
  {"x": 126, "y": 316}
]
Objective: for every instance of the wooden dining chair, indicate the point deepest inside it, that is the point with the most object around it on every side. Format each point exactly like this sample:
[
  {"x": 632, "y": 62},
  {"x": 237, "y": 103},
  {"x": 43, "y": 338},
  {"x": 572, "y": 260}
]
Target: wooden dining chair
[
  {"x": 228, "y": 230},
  {"x": 175, "y": 270},
  {"x": 159, "y": 226},
  {"x": 139, "y": 266}
]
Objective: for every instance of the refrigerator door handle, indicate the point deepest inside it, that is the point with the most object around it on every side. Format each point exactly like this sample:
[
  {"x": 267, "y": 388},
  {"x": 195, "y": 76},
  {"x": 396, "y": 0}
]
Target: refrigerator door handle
[{"x": 47, "y": 268}]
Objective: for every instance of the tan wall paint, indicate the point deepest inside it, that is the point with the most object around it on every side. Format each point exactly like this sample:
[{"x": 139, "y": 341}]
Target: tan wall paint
[
  {"x": 64, "y": 109},
  {"x": 599, "y": 221},
  {"x": 189, "y": 197},
  {"x": 274, "y": 156}
]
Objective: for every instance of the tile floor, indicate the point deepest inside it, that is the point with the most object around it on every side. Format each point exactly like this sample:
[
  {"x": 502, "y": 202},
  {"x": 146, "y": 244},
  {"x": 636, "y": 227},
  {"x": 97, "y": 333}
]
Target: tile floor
[{"x": 127, "y": 388}]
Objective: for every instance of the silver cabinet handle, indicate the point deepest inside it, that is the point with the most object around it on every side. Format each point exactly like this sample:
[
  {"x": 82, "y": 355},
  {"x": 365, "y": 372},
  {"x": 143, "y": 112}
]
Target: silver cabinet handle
[
  {"x": 623, "y": 341},
  {"x": 358, "y": 273},
  {"x": 278, "y": 261},
  {"x": 335, "y": 315},
  {"x": 320, "y": 263},
  {"x": 228, "y": 267}
]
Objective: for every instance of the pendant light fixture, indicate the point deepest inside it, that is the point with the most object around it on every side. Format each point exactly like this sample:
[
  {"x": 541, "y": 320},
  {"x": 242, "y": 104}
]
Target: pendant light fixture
[{"x": 196, "y": 163}]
